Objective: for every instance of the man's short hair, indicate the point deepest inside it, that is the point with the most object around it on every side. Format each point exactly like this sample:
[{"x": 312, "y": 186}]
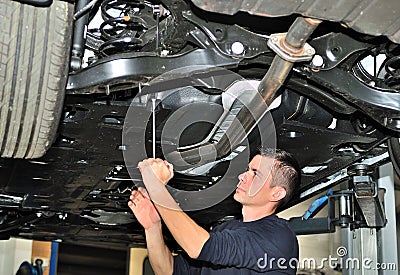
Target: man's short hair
[{"x": 286, "y": 171}]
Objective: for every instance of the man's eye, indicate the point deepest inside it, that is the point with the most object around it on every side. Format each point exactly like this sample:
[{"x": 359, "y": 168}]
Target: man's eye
[{"x": 252, "y": 171}]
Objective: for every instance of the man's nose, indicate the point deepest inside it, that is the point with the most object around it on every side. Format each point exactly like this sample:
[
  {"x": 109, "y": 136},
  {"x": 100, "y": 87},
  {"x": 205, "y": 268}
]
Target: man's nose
[{"x": 241, "y": 176}]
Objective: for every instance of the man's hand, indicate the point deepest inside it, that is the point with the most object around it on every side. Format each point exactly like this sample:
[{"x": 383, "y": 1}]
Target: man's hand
[
  {"x": 144, "y": 209},
  {"x": 156, "y": 167},
  {"x": 190, "y": 236},
  {"x": 145, "y": 212}
]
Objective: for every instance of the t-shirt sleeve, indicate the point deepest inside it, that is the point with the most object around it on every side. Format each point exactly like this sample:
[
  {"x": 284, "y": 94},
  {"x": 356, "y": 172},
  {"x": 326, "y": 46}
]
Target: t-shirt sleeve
[
  {"x": 238, "y": 248},
  {"x": 183, "y": 267}
]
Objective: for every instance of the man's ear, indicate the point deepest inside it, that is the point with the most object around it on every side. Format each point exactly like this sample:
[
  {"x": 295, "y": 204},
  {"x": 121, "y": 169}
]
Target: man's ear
[{"x": 278, "y": 193}]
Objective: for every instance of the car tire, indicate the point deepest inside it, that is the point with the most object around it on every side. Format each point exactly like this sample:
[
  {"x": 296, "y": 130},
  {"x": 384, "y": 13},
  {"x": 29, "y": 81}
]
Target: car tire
[{"x": 34, "y": 46}]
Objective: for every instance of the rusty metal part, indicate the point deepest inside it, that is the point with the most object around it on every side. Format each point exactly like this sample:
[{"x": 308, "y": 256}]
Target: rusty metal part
[
  {"x": 296, "y": 38},
  {"x": 278, "y": 44}
]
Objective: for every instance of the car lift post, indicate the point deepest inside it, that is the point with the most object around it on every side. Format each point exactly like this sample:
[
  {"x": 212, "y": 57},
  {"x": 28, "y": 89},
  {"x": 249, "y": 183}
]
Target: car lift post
[
  {"x": 375, "y": 246},
  {"x": 371, "y": 247},
  {"x": 365, "y": 214},
  {"x": 388, "y": 235}
]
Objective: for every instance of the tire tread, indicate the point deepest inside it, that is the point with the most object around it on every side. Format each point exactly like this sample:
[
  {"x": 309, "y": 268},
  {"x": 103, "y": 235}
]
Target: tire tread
[{"x": 34, "y": 58}]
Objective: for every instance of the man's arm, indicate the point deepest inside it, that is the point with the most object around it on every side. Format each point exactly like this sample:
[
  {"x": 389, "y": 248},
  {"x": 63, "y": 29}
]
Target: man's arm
[
  {"x": 160, "y": 256},
  {"x": 190, "y": 236}
]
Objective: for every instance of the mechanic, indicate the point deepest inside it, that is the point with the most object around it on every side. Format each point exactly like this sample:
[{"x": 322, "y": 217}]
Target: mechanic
[{"x": 259, "y": 243}]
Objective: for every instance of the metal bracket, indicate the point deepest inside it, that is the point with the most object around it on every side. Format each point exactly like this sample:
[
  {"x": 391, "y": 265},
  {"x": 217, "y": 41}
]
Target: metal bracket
[
  {"x": 311, "y": 226},
  {"x": 306, "y": 226},
  {"x": 383, "y": 106},
  {"x": 278, "y": 44},
  {"x": 367, "y": 196},
  {"x": 364, "y": 187},
  {"x": 140, "y": 67},
  {"x": 230, "y": 40},
  {"x": 332, "y": 48}
]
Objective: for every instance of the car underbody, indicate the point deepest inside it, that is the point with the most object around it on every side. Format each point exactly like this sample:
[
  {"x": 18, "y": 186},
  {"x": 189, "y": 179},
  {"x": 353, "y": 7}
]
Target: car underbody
[{"x": 339, "y": 105}]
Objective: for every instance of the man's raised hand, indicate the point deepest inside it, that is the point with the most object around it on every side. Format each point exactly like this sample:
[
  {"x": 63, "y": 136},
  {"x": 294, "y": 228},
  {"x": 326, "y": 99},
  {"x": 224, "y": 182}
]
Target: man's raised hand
[
  {"x": 152, "y": 169},
  {"x": 143, "y": 209}
]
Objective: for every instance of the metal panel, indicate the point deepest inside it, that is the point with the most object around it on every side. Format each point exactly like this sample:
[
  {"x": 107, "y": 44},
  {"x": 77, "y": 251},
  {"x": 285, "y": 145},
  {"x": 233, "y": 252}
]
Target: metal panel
[
  {"x": 347, "y": 243},
  {"x": 373, "y": 17},
  {"x": 365, "y": 250},
  {"x": 387, "y": 237}
]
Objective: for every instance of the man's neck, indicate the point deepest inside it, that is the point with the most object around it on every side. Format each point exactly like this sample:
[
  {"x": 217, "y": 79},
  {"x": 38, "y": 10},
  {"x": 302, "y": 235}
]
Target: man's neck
[{"x": 253, "y": 213}]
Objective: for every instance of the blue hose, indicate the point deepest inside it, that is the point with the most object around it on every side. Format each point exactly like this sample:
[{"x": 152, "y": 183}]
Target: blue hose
[{"x": 316, "y": 204}]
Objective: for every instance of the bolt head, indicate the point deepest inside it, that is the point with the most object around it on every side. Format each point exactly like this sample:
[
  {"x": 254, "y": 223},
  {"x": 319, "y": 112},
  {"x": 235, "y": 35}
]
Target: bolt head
[
  {"x": 317, "y": 61},
  {"x": 237, "y": 48}
]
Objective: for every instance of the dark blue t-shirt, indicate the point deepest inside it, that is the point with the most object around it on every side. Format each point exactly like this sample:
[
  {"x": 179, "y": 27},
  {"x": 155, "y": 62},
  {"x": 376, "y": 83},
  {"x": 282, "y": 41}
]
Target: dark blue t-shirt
[{"x": 267, "y": 245}]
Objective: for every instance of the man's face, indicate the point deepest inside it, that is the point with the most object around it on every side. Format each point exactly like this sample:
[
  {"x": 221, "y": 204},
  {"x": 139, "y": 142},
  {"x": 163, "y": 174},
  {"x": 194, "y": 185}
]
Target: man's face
[{"x": 254, "y": 184}]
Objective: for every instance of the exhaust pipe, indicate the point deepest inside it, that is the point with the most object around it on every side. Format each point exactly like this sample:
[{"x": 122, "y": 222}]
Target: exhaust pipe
[{"x": 290, "y": 48}]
